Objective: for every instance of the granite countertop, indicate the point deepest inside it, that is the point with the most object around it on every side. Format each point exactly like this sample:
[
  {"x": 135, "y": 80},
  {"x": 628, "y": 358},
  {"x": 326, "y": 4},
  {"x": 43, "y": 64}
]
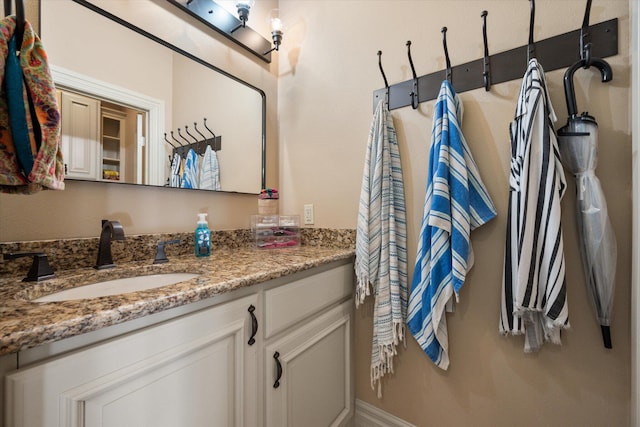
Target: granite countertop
[{"x": 25, "y": 324}]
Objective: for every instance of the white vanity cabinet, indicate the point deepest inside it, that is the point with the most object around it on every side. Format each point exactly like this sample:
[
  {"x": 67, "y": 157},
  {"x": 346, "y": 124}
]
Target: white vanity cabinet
[
  {"x": 183, "y": 372},
  {"x": 307, "y": 351},
  {"x": 210, "y": 367}
]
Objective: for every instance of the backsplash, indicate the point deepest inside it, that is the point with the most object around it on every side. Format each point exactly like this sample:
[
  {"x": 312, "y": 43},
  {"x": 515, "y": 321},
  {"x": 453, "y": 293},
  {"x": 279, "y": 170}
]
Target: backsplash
[{"x": 66, "y": 254}]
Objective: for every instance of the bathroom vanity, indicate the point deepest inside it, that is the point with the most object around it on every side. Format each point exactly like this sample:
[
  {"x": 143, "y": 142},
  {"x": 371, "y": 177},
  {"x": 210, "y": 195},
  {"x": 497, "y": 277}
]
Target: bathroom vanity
[{"x": 265, "y": 340}]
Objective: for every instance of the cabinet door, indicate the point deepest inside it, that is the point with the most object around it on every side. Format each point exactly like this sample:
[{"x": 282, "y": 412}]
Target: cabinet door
[
  {"x": 196, "y": 370},
  {"x": 309, "y": 373},
  {"x": 80, "y": 137}
]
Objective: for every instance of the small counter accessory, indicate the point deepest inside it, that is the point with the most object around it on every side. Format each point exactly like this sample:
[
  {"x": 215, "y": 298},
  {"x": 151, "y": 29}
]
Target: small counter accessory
[
  {"x": 202, "y": 237},
  {"x": 268, "y": 201}
]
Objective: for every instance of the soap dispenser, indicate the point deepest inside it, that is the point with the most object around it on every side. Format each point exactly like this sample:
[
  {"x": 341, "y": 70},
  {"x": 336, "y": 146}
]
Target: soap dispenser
[{"x": 202, "y": 237}]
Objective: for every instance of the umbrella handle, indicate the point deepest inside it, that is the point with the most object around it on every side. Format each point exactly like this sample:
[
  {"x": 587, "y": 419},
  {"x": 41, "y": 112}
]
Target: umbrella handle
[{"x": 606, "y": 336}]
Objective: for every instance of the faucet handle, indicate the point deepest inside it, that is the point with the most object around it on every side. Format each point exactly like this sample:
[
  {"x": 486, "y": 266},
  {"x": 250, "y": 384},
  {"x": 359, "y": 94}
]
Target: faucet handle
[
  {"x": 40, "y": 269},
  {"x": 161, "y": 257}
]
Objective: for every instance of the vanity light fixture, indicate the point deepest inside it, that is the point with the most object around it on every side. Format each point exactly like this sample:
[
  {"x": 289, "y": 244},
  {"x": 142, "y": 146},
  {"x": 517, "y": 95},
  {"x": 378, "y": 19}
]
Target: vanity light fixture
[
  {"x": 243, "y": 6},
  {"x": 276, "y": 31}
]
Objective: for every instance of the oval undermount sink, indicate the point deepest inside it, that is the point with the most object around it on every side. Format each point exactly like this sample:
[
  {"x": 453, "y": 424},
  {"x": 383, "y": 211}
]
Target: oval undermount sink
[{"x": 118, "y": 286}]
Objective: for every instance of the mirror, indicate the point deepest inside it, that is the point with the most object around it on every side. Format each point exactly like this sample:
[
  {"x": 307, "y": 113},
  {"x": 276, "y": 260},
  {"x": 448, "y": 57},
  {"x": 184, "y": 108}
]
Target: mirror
[{"x": 128, "y": 88}]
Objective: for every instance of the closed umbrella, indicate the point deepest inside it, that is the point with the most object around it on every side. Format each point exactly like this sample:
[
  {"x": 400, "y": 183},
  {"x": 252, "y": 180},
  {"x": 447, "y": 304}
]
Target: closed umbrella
[{"x": 578, "y": 141}]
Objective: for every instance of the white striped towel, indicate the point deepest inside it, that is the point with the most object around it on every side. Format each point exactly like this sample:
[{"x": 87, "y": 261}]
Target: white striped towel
[
  {"x": 210, "y": 171},
  {"x": 534, "y": 294},
  {"x": 381, "y": 241},
  {"x": 456, "y": 203},
  {"x": 190, "y": 174}
]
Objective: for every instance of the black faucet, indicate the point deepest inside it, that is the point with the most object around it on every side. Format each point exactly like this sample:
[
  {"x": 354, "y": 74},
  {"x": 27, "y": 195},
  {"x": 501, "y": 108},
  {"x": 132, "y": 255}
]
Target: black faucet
[
  {"x": 111, "y": 230},
  {"x": 161, "y": 257},
  {"x": 40, "y": 269}
]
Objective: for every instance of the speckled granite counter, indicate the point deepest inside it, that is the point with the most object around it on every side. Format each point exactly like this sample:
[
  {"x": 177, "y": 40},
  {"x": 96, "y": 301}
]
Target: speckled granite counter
[{"x": 25, "y": 324}]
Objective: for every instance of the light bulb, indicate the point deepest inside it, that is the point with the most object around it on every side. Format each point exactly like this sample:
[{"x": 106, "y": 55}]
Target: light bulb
[
  {"x": 276, "y": 24},
  {"x": 245, "y": 3}
]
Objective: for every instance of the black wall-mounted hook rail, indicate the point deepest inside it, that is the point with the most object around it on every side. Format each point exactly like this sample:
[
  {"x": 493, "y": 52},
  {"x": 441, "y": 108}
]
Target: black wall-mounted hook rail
[
  {"x": 486, "y": 63},
  {"x": 553, "y": 53},
  {"x": 175, "y": 140},
  {"x": 414, "y": 92}
]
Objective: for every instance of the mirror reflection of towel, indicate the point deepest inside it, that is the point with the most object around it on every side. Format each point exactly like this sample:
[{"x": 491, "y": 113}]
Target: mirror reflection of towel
[
  {"x": 176, "y": 163},
  {"x": 210, "y": 171},
  {"x": 190, "y": 175}
]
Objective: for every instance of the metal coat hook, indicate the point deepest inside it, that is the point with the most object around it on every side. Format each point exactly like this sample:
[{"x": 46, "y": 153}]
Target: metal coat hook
[
  {"x": 384, "y": 77},
  {"x": 207, "y": 127},
  {"x": 174, "y": 138},
  {"x": 586, "y": 61},
  {"x": 185, "y": 139},
  {"x": 446, "y": 54},
  {"x": 195, "y": 140},
  {"x": 414, "y": 93},
  {"x": 486, "y": 66},
  {"x": 169, "y": 142},
  {"x": 195, "y": 126},
  {"x": 531, "y": 48},
  {"x": 585, "y": 37},
  {"x": 20, "y": 19}
]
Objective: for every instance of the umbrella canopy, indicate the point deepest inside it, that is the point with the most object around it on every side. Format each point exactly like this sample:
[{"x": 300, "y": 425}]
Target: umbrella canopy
[{"x": 578, "y": 142}]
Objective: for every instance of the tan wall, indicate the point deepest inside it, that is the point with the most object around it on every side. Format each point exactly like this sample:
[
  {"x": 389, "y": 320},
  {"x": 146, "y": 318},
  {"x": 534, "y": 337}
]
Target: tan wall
[
  {"x": 328, "y": 71},
  {"x": 77, "y": 211}
]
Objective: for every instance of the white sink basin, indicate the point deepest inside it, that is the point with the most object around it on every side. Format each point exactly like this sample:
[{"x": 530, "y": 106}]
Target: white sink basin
[{"x": 118, "y": 286}]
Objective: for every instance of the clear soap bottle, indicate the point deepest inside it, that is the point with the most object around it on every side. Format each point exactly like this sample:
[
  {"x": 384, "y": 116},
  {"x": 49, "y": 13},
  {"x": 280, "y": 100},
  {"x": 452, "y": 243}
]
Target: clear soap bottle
[{"x": 202, "y": 237}]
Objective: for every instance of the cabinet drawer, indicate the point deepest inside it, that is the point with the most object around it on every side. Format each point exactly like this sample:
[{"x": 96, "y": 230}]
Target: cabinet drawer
[{"x": 287, "y": 305}]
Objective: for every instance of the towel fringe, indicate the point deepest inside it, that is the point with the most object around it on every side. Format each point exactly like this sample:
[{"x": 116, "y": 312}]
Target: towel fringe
[{"x": 386, "y": 354}]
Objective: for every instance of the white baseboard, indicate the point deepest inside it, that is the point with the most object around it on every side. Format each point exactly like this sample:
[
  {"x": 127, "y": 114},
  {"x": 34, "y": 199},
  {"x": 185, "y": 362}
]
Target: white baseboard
[{"x": 368, "y": 415}]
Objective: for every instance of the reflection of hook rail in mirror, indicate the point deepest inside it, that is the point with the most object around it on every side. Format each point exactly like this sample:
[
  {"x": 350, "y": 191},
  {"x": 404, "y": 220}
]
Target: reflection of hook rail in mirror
[
  {"x": 414, "y": 93},
  {"x": 207, "y": 127},
  {"x": 486, "y": 66},
  {"x": 198, "y": 145},
  {"x": 174, "y": 138},
  {"x": 168, "y": 142},
  {"x": 195, "y": 126},
  {"x": 196, "y": 142},
  {"x": 185, "y": 139},
  {"x": 446, "y": 54}
]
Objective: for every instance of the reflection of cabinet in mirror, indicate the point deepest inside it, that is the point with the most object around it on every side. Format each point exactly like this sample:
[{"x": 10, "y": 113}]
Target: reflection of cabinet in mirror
[
  {"x": 79, "y": 135},
  {"x": 101, "y": 140},
  {"x": 112, "y": 149}
]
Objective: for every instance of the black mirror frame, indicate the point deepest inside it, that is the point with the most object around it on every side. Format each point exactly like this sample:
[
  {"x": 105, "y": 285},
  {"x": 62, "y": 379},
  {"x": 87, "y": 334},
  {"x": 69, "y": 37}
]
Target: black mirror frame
[{"x": 176, "y": 49}]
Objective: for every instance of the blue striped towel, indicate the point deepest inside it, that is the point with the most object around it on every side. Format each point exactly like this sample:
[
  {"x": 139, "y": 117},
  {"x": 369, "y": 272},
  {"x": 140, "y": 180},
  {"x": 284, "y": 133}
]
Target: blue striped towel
[
  {"x": 381, "y": 243},
  {"x": 210, "y": 171},
  {"x": 190, "y": 173},
  {"x": 456, "y": 202}
]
